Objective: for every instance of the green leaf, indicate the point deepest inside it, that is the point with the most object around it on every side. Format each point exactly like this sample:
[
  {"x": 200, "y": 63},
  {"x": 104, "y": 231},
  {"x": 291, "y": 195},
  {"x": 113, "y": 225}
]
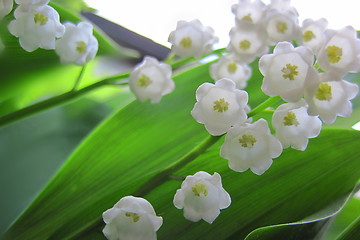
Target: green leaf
[
  {"x": 352, "y": 232},
  {"x": 312, "y": 227},
  {"x": 344, "y": 218},
  {"x": 118, "y": 157}
]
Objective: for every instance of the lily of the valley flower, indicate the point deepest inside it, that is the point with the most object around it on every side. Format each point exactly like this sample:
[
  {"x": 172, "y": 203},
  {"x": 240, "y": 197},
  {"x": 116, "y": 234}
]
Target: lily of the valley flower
[
  {"x": 281, "y": 22},
  {"x": 247, "y": 41},
  {"x": 192, "y": 39},
  {"x": 78, "y": 45},
  {"x": 250, "y": 11},
  {"x": 330, "y": 99},
  {"x": 294, "y": 126},
  {"x": 288, "y": 71},
  {"x": 340, "y": 53},
  {"x": 36, "y": 27},
  {"x": 227, "y": 67},
  {"x": 151, "y": 79},
  {"x": 220, "y": 106},
  {"x": 250, "y": 146},
  {"x": 202, "y": 196},
  {"x": 313, "y": 34},
  {"x": 131, "y": 218},
  {"x": 5, "y": 7}
]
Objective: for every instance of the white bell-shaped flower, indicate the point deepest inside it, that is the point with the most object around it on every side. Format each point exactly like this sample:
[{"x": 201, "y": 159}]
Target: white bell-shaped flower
[
  {"x": 294, "y": 126},
  {"x": 313, "y": 33},
  {"x": 220, "y": 106},
  {"x": 37, "y": 27},
  {"x": 227, "y": 67},
  {"x": 5, "y": 7},
  {"x": 78, "y": 45},
  {"x": 281, "y": 22},
  {"x": 250, "y": 146},
  {"x": 202, "y": 196},
  {"x": 192, "y": 39},
  {"x": 131, "y": 218},
  {"x": 329, "y": 99},
  {"x": 247, "y": 41},
  {"x": 151, "y": 79},
  {"x": 250, "y": 11},
  {"x": 340, "y": 53},
  {"x": 288, "y": 71}
]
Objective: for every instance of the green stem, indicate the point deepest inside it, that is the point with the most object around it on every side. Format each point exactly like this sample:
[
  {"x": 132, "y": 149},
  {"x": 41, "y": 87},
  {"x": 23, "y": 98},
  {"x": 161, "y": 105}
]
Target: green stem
[
  {"x": 55, "y": 101},
  {"x": 261, "y": 107},
  {"x": 78, "y": 79},
  {"x": 164, "y": 175},
  {"x": 74, "y": 93}
]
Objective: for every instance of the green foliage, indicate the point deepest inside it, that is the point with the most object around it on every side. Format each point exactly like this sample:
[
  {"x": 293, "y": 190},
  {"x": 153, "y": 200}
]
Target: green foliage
[
  {"x": 140, "y": 141},
  {"x": 139, "y": 150}
]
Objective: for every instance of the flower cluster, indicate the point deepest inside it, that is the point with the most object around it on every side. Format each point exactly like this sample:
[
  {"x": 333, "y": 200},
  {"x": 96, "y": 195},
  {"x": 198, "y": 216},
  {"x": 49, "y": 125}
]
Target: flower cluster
[
  {"x": 37, "y": 25},
  {"x": 311, "y": 91}
]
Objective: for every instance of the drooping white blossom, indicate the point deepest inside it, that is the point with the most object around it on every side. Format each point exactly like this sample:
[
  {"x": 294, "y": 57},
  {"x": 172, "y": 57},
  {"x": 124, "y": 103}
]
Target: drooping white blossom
[
  {"x": 78, "y": 45},
  {"x": 36, "y": 27},
  {"x": 202, "y": 196},
  {"x": 227, "y": 67},
  {"x": 340, "y": 53},
  {"x": 5, "y": 7},
  {"x": 281, "y": 22},
  {"x": 192, "y": 39},
  {"x": 294, "y": 126},
  {"x": 247, "y": 41},
  {"x": 288, "y": 71},
  {"x": 151, "y": 79},
  {"x": 131, "y": 218},
  {"x": 250, "y": 11},
  {"x": 250, "y": 146},
  {"x": 313, "y": 33},
  {"x": 220, "y": 106},
  {"x": 329, "y": 99}
]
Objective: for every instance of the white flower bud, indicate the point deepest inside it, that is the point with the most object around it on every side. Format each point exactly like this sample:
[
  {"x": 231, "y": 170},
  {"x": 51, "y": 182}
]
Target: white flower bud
[
  {"x": 78, "y": 45},
  {"x": 202, "y": 196},
  {"x": 151, "y": 79},
  {"x": 288, "y": 71},
  {"x": 340, "y": 53},
  {"x": 37, "y": 27},
  {"x": 313, "y": 34},
  {"x": 294, "y": 126},
  {"x": 247, "y": 41},
  {"x": 131, "y": 218},
  {"x": 220, "y": 106},
  {"x": 5, "y": 7},
  {"x": 250, "y": 146},
  {"x": 192, "y": 39},
  {"x": 330, "y": 99},
  {"x": 249, "y": 11},
  {"x": 227, "y": 67}
]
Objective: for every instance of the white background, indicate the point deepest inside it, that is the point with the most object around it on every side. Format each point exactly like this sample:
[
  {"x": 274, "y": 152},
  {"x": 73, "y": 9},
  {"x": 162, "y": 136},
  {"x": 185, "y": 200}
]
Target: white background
[{"x": 155, "y": 19}]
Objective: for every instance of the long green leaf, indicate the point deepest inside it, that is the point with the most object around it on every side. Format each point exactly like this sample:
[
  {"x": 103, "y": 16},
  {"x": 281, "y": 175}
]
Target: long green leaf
[
  {"x": 352, "y": 232},
  {"x": 118, "y": 157}
]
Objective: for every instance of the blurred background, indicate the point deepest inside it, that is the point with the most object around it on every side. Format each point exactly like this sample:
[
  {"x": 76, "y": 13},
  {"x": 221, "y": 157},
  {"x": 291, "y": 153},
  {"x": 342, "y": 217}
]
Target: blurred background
[{"x": 33, "y": 149}]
